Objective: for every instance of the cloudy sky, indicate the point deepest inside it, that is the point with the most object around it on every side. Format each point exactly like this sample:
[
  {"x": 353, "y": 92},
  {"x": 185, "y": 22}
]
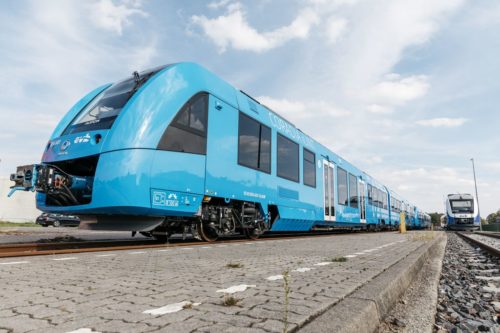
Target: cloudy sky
[{"x": 406, "y": 90}]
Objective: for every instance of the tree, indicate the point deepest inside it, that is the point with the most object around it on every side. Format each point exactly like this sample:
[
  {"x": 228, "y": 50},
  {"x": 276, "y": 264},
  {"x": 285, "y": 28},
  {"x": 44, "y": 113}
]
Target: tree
[
  {"x": 492, "y": 218},
  {"x": 436, "y": 218}
]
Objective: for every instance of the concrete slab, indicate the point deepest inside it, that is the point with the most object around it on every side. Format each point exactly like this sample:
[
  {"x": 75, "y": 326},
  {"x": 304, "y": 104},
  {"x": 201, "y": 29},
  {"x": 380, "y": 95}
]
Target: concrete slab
[
  {"x": 115, "y": 291},
  {"x": 367, "y": 306}
]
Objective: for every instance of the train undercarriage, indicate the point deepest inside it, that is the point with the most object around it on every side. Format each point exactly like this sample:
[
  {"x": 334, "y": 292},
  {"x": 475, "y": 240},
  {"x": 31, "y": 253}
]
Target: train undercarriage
[{"x": 217, "y": 219}]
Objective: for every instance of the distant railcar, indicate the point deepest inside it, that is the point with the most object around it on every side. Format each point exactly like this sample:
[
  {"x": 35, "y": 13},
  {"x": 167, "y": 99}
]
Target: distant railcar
[
  {"x": 461, "y": 212},
  {"x": 177, "y": 149}
]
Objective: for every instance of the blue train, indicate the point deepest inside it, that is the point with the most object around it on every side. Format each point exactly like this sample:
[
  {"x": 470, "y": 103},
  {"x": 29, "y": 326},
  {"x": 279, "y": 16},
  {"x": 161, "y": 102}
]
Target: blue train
[
  {"x": 461, "y": 212},
  {"x": 176, "y": 149}
]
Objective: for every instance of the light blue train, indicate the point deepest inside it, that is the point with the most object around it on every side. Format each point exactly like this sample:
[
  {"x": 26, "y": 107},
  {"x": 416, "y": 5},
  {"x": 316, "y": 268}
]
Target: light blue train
[{"x": 176, "y": 149}]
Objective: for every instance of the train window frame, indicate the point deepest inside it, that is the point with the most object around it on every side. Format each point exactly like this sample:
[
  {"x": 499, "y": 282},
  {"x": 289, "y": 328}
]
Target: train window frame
[
  {"x": 261, "y": 129},
  {"x": 308, "y": 163},
  {"x": 339, "y": 193},
  {"x": 353, "y": 182},
  {"x": 370, "y": 194},
  {"x": 279, "y": 171},
  {"x": 178, "y": 127},
  {"x": 121, "y": 92}
]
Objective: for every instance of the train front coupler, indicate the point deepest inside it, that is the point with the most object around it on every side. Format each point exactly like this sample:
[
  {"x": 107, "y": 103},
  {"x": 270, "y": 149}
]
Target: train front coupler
[{"x": 62, "y": 188}]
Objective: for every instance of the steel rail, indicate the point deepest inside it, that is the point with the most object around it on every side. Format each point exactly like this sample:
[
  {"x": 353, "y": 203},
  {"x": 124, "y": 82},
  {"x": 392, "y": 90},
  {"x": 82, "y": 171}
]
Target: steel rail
[
  {"x": 482, "y": 245},
  {"x": 488, "y": 233}
]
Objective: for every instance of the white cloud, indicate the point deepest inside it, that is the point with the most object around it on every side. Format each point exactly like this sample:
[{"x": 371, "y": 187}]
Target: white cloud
[
  {"x": 442, "y": 122},
  {"x": 114, "y": 17},
  {"x": 396, "y": 90},
  {"x": 218, "y": 4},
  {"x": 335, "y": 28},
  {"x": 233, "y": 30},
  {"x": 376, "y": 108},
  {"x": 298, "y": 110}
]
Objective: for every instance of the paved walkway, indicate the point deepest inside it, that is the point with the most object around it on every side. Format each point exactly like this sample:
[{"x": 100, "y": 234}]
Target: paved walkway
[{"x": 183, "y": 289}]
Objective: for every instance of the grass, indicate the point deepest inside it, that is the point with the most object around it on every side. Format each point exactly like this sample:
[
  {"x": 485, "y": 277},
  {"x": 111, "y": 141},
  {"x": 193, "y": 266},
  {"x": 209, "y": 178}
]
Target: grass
[
  {"x": 21, "y": 224},
  {"x": 421, "y": 235},
  {"x": 230, "y": 300},
  {"x": 338, "y": 259},
  {"x": 286, "y": 287},
  {"x": 188, "y": 306},
  {"x": 234, "y": 265}
]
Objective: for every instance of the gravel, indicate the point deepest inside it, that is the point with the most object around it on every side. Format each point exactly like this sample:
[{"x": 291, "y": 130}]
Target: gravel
[{"x": 469, "y": 289}]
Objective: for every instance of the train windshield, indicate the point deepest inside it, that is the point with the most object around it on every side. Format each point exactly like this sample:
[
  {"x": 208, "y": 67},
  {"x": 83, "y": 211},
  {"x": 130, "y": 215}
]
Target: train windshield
[
  {"x": 462, "y": 206},
  {"x": 102, "y": 111}
]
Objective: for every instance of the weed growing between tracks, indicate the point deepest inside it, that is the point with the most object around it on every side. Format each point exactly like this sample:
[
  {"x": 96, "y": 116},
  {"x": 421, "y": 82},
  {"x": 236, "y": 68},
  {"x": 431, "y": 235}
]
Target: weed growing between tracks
[
  {"x": 286, "y": 287},
  {"x": 234, "y": 265},
  {"x": 230, "y": 300},
  {"x": 338, "y": 259}
]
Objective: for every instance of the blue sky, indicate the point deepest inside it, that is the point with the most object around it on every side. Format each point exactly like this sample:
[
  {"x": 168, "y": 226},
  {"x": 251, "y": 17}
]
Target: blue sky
[{"x": 406, "y": 90}]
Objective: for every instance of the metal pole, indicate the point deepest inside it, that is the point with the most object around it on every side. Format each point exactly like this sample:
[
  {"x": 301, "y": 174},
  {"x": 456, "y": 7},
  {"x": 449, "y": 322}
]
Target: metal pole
[{"x": 477, "y": 198}]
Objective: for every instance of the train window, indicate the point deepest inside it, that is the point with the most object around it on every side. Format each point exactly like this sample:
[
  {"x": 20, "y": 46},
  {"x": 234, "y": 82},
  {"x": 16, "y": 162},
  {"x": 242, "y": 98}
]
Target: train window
[
  {"x": 102, "y": 111},
  {"x": 288, "y": 159},
  {"x": 188, "y": 131},
  {"x": 384, "y": 199},
  {"x": 342, "y": 186},
  {"x": 370, "y": 194},
  {"x": 378, "y": 198},
  {"x": 353, "y": 191},
  {"x": 254, "y": 144},
  {"x": 309, "y": 168}
]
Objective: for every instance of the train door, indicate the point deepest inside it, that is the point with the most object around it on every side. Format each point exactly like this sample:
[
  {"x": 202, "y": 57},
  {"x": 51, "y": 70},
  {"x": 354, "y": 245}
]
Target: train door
[
  {"x": 362, "y": 201},
  {"x": 329, "y": 194},
  {"x": 221, "y": 150}
]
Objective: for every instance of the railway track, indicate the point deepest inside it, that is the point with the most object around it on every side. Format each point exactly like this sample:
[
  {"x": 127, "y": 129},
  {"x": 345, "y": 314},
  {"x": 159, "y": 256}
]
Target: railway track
[
  {"x": 492, "y": 247},
  {"x": 51, "y": 248},
  {"x": 489, "y": 234}
]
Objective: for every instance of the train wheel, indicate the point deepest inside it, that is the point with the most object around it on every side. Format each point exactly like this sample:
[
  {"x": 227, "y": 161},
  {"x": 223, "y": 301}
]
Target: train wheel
[
  {"x": 253, "y": 233},
  {"x": 207, "y": 232}
]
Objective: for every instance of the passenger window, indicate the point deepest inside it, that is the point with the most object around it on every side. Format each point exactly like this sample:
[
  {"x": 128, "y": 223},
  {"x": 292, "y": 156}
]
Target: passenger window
[
  {"x": 288, "y": 159},
  {"x": 254, "y": 144},
  {"x": 188, "y": 131},
  {"x": 309, "y": 165},
  {"x": 370, "y": 194},
  {"x": 353, "y": 191},
  {"x": 342, "y": 186}
]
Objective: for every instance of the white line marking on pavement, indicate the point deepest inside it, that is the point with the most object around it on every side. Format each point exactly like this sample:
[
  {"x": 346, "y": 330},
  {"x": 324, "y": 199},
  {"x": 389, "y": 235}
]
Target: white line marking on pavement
[
  {"x": 105, "y": 255},
  {"x": 66, "y": 258},
  {"x": 322, "y": 263},
  {"x": 221, "y": 245},
  {"x": 171, "y": 308},
  {"x": 351, "y": 256},
  {"x": 206, "y": 247},
  {"x": 302, "y": 269},
  {"x": 249, "y": 243},
  {"x": 84, "y": 330},
  {"x": 236, "y": 289},
  {"x": 137, "y": 252},
  {"x": 165, "y": 250},
  {"x": 186, "y": 248},
  {"x": 14, "y": 262},
  {"x": 274, "y": 277},
  {"x": 359, "y": 253}
]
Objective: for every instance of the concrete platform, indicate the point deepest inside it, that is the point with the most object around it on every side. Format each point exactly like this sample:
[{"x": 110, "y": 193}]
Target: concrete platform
[
  {"x": 9, "y": 235},
  {"x": 184, "y": 289}
]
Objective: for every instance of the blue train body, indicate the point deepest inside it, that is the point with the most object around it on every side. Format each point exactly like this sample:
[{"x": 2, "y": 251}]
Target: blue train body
[{"x": 178, "y": 148}]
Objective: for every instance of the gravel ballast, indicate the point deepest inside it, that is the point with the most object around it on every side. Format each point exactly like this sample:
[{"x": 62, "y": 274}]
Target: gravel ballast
[{"x": 469, "y": 289}]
